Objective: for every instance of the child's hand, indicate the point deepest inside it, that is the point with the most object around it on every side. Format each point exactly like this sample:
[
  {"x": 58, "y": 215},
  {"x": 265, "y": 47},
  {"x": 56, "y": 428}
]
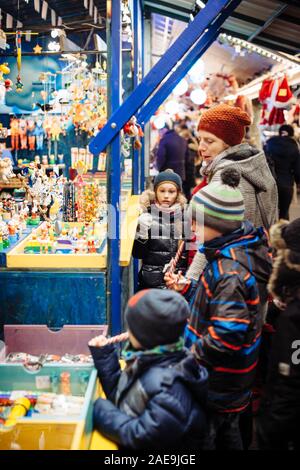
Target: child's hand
[
  {"x": 98, "y": 341},
  {"x": 176, "y": 282}
]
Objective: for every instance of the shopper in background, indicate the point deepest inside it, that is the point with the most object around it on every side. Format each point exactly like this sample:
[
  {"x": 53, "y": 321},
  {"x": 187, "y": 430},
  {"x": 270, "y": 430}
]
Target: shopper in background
[
  {"x": 157, "y": 401},
  {"x": 172, "y": 152},
  {"x": 279, "y": 420},
  {"x": 221, "y": 130},
  {"x": 283, "y": 151},
  {"x": 160, "y": 229},
  {"x": 190, "y": 170},
  {"x": 225, "y": 324}
]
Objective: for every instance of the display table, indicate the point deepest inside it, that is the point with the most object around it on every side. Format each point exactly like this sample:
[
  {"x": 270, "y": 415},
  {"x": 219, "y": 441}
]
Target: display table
[{"x": 58, "y": 289}]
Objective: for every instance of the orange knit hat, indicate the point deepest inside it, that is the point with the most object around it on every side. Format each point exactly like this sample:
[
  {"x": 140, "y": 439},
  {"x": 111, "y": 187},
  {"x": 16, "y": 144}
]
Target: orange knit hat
[{"x": 226, "y": 122}]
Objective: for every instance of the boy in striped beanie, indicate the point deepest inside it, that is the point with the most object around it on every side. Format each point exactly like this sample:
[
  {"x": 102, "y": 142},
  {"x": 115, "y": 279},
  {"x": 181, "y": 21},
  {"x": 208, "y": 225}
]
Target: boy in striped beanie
[{"x": 224, "y": 328}]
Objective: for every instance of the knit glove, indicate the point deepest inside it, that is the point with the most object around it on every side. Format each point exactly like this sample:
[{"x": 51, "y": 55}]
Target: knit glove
[
  {"x": 197, "y": 266},
  {"x": 144, "y": 224}
]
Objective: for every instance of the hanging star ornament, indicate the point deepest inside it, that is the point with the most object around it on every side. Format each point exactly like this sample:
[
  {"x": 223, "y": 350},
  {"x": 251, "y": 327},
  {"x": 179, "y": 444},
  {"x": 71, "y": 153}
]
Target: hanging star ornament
[
  {"x": 37, "y": 49},
  {"x": 19, "y": 85}
]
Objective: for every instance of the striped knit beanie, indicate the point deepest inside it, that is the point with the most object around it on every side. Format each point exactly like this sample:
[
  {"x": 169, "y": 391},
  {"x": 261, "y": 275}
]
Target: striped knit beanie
[
  {"x": 221, "y": 203},
  {"x": 226, "y": 122}
]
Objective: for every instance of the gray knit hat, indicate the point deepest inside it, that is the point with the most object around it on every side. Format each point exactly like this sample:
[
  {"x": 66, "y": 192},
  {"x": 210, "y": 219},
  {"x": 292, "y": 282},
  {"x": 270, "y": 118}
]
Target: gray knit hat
[
  {"x": 157, "y": 317},
  {"x": 168, "y": 176},
  {"x": 220, "y": 205}
]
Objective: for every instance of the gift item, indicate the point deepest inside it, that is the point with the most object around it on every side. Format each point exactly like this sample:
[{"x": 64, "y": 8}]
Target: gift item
[
  {"x": 31, "y": 134},
  {"x": 71, "y": 239},
  {"x": 6, "y": 170},
  {"x": 14, "y": 132}
]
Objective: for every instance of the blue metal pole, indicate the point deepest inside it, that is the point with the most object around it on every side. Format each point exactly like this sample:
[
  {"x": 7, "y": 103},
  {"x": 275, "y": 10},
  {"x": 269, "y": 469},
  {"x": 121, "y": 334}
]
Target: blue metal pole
[
  {"x": 142, "y": 169},
  {"x": 136, "y": 63},
  {"x": 114, "y": 169},
  {"x": 198, "y": 50},
  {"x": 137, "y": 154},
  {"x": 158, "y": 73}
]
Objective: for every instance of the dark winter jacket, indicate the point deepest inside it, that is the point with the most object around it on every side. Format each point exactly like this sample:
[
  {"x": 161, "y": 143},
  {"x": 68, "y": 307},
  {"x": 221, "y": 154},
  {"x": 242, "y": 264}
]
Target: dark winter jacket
[
  {"x": 285, "y": 156},
  {"x": 225, "y": 324},
  {"x": 285, "y": 285},
  {"x": 172, "y": 153},
  {"x": 156, "y": 402},
  {"x": 166, "y": 231}
]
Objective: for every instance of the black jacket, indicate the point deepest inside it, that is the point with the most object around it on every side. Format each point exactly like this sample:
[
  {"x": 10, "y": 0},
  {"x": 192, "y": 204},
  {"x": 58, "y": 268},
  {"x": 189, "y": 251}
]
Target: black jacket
[
  {"x": 172, "y": 153},
  {"x": 285, "y": 156},
  {"x": 156, "y": 402},
  {"x": 164, "y": 236},
  {"x": 285, "y": 285}
]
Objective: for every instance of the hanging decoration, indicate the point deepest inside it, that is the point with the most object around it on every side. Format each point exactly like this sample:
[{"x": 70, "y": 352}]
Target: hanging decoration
[
  {"x": 19, "y": 84},
  {"x": 37, "y": 49},
  {"x": 275, "y": 96},
  {"x": 133, "y": 129},
  {"x": 5, "y": 84}
]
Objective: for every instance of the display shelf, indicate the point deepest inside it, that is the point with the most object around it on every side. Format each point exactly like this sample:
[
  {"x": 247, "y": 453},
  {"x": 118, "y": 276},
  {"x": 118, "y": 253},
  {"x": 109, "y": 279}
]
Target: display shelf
[
  {"x": 3, "y": 253},
  {"x": 50, "y": 431},
  {"x": 16, "y": 258},
  {"x": 128, "y": 230},
  {"x": 13, "y": 183},
  {"x": 52, "y": 297}
]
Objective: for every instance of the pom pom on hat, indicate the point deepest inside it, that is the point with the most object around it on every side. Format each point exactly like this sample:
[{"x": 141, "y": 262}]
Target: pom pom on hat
[{"x": 231, "y": 177}]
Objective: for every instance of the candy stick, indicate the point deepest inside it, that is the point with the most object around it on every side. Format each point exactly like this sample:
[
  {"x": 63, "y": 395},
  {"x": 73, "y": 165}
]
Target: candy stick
[
  {"x": 171, "y": 266},
  {"x": 118, "y": 338}
]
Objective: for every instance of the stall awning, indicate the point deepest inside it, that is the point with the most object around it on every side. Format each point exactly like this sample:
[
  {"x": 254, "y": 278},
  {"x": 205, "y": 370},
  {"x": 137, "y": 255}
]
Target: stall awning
[{"x": 272, "y": 23}]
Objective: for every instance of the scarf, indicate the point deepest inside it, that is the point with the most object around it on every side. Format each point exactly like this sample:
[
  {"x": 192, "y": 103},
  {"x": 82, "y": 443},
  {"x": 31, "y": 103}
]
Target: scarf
[
  {"x": 168, "y": 210},
  {"x": 129, "y": 354}
]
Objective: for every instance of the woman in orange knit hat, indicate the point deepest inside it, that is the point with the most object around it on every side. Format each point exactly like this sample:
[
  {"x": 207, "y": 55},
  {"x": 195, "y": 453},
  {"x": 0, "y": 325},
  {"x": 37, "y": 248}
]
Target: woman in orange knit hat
[{"x": 221, "y": 132}]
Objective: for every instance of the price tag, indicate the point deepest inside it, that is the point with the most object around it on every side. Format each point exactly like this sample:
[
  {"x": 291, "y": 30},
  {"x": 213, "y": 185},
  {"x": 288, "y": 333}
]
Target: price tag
[{"x": 42, "y": 381}]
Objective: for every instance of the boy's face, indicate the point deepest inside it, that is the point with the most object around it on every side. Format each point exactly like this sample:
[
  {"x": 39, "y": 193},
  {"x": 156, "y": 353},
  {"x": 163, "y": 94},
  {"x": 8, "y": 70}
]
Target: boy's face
[
  {"x": 166, "y": 194},
  {"x": 204, "y": 233},
  {"x": 210, "y": 145}
]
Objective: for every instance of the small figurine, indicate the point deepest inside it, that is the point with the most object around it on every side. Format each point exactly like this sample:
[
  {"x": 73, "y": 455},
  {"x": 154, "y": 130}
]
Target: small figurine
[{"x": 6, "y": 170}]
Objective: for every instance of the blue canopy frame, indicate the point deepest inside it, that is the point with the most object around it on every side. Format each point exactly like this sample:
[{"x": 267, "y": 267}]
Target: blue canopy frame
[{"x": 156, "y": 85}]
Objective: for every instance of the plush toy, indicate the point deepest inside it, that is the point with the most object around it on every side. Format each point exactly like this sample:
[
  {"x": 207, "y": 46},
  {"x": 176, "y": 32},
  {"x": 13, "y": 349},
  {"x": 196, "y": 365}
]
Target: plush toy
[
  {"x": 39, "y": 133},
  {"x": 6, "y": 170},
  {"x": 14, "y": 129},
  {"x": 23, "y": 133},
  {"x": 31, "y": 134},
  {"x": 133, "y": 129}
]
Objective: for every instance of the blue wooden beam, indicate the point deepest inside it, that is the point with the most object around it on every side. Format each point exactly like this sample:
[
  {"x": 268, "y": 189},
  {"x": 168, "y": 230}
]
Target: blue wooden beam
[
  {"x": 136, "y": 80},
  {"x": 137, "y": 154},
  {"x": 193, "y": 55},
  {"x": 158, "y": 73},
  {"x": 114, "y": 169},
  {"x": 142, "y": 169}
]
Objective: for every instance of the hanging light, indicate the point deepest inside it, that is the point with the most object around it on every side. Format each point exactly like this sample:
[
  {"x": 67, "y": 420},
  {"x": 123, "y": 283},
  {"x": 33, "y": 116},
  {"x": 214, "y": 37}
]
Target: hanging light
[
  {"x": 198, "y": 96},
  {"x": 172, "y": 107},
  {"x": 159, "y": 121},
  {"x": 197, "y": 69},
  {"x": 54, "y": 33},
  {"x": 53, "y": 46},
  {"x": 181, "y": 88}
]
